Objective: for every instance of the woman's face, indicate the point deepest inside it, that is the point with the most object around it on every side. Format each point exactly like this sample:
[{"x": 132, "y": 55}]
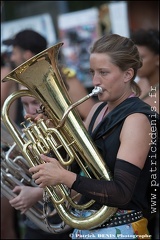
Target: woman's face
[
  {"x": 107, "y": 76},
  {"x": 30, "y": 105},
  {"x": 150, "y": 60}
]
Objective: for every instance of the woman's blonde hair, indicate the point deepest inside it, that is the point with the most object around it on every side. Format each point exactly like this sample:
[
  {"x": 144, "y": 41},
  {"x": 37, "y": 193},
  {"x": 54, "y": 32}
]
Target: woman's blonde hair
[{"x": 123, "y": 53}]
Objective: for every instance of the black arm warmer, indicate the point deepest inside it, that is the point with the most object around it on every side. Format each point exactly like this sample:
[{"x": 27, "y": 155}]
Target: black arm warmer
[{"x": 114, "y": 193}]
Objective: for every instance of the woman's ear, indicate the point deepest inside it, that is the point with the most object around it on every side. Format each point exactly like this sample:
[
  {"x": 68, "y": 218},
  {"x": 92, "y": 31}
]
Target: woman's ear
[{"x": 129, "y": 73}]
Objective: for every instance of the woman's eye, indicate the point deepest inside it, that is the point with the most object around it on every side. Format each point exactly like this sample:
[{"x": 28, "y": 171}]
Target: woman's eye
[
  {"x": 91, "y": 72},
  {"x": 103, "y": 73},
  {"x": 99, "y": 73}
]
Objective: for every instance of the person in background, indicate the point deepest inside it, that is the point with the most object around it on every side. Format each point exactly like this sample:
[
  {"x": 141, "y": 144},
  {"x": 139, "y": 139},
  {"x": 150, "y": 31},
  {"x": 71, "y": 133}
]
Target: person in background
[
  {"x": 27, "y": 44},
  {"x": 147, "y": 42},
  {"x": 27, "y": 196},
  {"x": 118, "y": 125},
  {"x": 8, "y": 87},
  {"x": 9, "y": 216},
  {"x": 24, "y": 47}
]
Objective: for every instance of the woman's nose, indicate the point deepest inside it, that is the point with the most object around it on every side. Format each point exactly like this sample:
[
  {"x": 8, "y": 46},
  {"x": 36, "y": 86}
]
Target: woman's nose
[{"x": 95, "y": 80}]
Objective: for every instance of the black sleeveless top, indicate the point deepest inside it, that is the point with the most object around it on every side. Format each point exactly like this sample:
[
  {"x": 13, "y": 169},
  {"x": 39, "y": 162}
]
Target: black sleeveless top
[{"x": 106, "y": 138}]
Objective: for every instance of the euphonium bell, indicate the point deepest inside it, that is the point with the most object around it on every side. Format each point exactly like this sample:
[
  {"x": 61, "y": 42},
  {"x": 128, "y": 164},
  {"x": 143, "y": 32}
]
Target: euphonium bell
[{"x": 42, "y": 77}]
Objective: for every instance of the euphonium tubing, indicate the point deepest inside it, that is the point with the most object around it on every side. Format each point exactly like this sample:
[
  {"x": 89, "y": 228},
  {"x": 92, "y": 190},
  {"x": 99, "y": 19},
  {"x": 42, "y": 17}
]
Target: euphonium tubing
[
  {"x": 42, "y": 77},
  {"x": 15, "y": 172}
]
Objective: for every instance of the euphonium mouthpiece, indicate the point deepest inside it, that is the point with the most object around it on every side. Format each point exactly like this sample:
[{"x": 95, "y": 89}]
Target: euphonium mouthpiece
[{"x": 95, "y": 91}]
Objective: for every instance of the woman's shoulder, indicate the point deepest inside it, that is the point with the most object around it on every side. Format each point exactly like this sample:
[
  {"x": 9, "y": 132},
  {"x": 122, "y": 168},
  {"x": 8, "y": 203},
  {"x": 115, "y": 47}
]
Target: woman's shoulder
[
  {"x": 91, "y": 113},
  {"x": 96, "y": 105}
]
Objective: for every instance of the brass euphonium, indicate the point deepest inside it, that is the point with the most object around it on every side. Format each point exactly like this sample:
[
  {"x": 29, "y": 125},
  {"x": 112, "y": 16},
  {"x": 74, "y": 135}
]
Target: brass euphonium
[
  {"x": 15, "y": 172},
  {"x": 41, "y": 76}
]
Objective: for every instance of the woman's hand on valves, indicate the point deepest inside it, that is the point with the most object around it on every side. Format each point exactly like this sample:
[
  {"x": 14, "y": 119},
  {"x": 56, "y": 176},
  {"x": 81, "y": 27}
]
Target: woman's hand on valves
[{"x": 51, "y": 173}]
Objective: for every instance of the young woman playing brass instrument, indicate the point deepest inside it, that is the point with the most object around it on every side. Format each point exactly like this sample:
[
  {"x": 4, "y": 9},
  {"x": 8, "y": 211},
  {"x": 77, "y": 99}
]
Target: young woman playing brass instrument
[{"x": 121, "y": 126}]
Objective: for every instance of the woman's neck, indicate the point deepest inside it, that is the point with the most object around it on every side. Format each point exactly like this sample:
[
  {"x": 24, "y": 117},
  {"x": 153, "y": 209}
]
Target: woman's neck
[{"x": 113, "y": 104}]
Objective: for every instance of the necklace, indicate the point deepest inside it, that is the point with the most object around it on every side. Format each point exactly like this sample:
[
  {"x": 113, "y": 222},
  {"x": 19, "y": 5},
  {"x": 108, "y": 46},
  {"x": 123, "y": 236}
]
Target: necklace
[{"x": 132, "y": 95}]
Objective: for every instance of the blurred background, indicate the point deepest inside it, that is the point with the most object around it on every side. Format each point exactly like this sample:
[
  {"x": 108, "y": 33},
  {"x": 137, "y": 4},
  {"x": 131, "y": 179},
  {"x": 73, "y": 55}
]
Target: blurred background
[{"x": 77, "y": 24}]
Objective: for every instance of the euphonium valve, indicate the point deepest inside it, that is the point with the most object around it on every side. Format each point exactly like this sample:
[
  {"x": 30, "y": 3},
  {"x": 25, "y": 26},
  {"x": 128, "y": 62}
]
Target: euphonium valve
[
  {"x": 15, "y": 172},
  {"x": 68, "y": 138}
]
